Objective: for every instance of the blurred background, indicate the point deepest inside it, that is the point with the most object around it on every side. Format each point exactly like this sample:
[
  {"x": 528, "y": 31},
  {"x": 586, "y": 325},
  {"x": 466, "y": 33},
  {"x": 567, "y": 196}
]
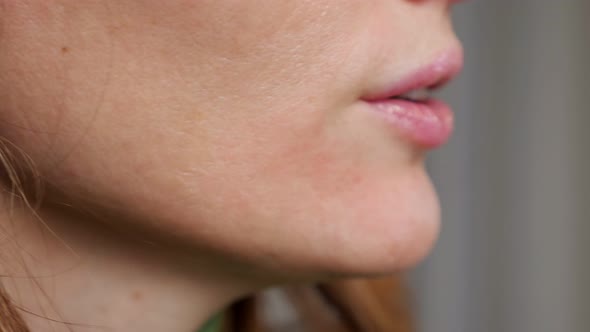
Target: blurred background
[{"x": 515, "y": 180}]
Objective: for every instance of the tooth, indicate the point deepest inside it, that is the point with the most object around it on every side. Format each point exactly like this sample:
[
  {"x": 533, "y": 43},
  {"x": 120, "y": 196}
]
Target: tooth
[{"x": 419, "y": 94}]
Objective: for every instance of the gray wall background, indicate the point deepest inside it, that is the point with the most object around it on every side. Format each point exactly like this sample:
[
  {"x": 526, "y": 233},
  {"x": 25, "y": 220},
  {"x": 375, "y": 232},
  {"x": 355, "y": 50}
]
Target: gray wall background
[{"x": 514, "y": 253}]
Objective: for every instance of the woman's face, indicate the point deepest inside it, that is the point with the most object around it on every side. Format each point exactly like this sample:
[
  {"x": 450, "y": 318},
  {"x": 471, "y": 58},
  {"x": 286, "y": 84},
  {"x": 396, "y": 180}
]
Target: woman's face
[{"x": 234, "y": 126}]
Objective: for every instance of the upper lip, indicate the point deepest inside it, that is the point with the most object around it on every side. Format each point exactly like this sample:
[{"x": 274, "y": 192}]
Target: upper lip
[{"x": 436, "y": 74}]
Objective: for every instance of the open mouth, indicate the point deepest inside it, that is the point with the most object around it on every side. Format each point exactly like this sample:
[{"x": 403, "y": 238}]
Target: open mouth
[
  {"x": 418, "y": 96},
  {"x": 410, "y": 108}
]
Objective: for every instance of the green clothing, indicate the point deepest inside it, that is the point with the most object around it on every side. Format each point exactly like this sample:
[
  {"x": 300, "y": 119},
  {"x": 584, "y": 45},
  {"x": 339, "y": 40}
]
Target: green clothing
[{"x": 213, "y": 325}]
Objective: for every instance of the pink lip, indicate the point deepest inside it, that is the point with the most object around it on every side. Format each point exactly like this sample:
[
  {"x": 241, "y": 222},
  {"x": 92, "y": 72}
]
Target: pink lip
[{"x": 427, "y": 124}]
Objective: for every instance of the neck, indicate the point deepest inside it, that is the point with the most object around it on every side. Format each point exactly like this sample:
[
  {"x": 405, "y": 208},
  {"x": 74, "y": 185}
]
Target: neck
[{"x": 65, "y": 274}]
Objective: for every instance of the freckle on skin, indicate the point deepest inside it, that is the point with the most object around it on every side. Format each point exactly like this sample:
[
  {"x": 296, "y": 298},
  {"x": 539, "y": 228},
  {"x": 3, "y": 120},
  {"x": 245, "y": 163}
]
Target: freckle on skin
[
  {"x": 65, "y": 49},
  {"x": 137, "y": 296}
]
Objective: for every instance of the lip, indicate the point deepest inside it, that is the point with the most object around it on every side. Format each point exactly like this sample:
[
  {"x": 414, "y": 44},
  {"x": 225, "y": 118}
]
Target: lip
[{"x": 425, "y": 124}]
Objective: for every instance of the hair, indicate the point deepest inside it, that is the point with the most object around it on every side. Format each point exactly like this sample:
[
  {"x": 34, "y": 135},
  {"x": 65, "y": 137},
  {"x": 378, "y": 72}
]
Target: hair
[
  {"x": 10, "y": 319},
  {"x": 15, "y": 181},
  {"x": 361, "y": 305}
]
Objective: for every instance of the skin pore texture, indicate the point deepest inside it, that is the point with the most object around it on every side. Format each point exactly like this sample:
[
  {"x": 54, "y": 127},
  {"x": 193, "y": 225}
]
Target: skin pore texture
[{"x": 195, "y": 151}]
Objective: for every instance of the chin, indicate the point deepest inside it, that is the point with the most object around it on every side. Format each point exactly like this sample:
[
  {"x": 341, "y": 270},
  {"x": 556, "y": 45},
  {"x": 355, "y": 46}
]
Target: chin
[{"x": 392, "y": 228}]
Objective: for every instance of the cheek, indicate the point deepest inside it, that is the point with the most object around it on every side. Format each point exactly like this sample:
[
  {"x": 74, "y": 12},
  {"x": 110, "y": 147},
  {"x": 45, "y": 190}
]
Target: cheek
[
  {"x": 321, "y": 202},
  {"x": 256, "y": 171}
]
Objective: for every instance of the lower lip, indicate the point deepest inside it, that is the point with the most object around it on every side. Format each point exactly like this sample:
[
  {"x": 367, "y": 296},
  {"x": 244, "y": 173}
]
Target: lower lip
[{"x": 426, "y": 125}]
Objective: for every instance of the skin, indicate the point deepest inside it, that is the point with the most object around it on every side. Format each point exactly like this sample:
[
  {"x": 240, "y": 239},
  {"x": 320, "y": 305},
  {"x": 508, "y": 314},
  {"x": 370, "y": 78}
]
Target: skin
[{"x": 196, "y": 151}]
